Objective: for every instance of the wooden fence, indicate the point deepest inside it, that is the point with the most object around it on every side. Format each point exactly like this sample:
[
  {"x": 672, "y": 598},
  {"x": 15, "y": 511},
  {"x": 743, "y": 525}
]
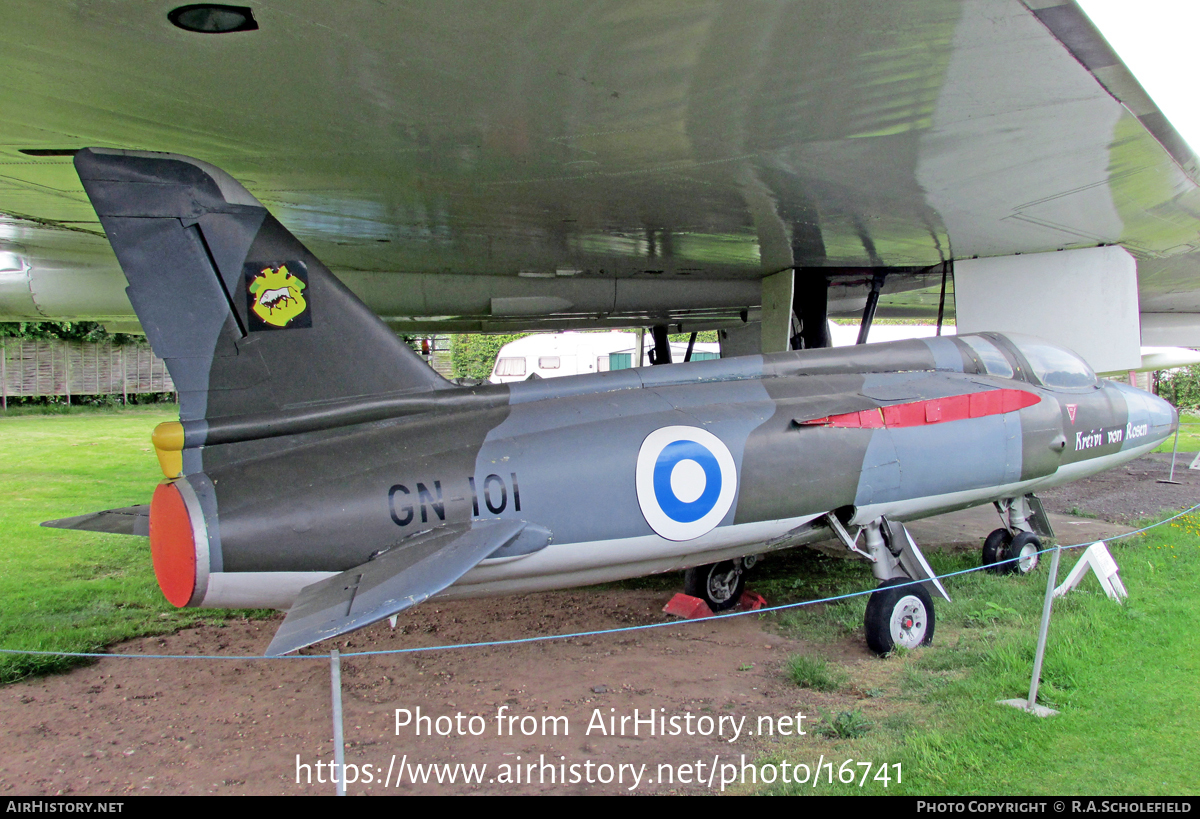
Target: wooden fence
[{"x": 55, "y": 367}]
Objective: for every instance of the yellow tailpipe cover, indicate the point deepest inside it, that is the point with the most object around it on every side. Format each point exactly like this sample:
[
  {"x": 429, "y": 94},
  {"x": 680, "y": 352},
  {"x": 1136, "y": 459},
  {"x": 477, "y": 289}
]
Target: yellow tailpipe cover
[{"x": 168, "y": 445}]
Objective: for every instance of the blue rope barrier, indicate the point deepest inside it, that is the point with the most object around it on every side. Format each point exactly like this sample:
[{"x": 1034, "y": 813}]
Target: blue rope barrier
[{"x": 577, "y": 634}]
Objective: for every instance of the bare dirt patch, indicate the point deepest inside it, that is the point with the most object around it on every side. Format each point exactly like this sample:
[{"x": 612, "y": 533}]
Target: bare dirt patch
[{"x": 236, "y": 727}]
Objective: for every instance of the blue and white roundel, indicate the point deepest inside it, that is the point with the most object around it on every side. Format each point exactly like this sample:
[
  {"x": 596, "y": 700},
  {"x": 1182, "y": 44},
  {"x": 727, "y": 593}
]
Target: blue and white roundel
[{"x": 686, "y": 481}]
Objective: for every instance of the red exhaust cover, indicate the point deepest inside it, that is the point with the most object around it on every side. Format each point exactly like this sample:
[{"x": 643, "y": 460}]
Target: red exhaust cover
[{"x": 172, "y": 545}]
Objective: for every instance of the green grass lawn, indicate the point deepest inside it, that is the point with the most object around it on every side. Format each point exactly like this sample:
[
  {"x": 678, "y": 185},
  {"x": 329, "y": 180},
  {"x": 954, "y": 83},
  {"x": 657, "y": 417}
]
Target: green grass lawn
[
  {"x": 69, "y": 590},
  {"x": 1126, "y": 679}
]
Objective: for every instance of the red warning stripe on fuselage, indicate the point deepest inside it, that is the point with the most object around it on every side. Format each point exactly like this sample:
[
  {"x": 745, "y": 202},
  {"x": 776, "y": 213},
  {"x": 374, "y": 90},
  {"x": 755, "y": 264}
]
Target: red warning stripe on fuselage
[{"x": 932, "y": 411}]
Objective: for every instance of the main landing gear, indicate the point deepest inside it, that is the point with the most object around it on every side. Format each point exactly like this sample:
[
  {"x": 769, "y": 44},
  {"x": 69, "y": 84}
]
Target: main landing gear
[
  {"x": 720, "y": 585},
  {"x": 1013, "y": 548},
  {"x": 900, "y": 612}
]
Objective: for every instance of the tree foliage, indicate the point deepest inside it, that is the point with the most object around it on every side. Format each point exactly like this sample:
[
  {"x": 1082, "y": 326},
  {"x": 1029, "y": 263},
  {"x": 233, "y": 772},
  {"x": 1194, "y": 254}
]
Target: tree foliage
[
  {"x": 704, "y": 335},
  {"x": 64, "y": 330},
  {"x": 1181, "y": 386},
  {"x": 474, "y": 355}
]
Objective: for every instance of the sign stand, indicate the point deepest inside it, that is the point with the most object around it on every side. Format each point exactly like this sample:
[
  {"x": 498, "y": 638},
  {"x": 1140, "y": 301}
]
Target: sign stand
[{"x": 1097, "y": 558}]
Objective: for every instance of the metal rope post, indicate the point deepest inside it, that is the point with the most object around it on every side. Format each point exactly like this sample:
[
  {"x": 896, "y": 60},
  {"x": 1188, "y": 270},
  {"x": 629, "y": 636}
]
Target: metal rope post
[
  {"x": 1051, "y": 582},
  {"x": 339, "y": 750},
  {"x": 1174, "y": 451},
  {"x": 1030, "y": 704}
]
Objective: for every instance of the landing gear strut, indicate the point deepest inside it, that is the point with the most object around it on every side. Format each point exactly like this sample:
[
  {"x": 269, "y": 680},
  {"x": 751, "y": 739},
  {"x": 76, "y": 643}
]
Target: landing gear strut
[{"x": 900, "y": 612}]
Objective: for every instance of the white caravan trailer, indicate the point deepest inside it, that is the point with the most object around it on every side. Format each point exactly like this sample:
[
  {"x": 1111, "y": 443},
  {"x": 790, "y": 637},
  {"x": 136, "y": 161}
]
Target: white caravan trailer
[{"x": 547, "y": 355}]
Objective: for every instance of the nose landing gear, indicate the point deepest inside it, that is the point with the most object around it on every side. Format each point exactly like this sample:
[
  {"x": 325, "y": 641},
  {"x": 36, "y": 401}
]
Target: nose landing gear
[{"x": 1013, "y": 549}]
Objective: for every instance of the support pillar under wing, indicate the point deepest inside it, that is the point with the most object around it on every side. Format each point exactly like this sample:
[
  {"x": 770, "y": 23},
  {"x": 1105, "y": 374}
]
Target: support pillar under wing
[{"x": 400, "y": 578}]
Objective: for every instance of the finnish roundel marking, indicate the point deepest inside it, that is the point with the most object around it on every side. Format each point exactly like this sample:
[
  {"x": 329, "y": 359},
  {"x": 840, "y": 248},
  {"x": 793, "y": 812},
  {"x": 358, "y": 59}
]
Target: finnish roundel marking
[{"x": 686, "y": 481}]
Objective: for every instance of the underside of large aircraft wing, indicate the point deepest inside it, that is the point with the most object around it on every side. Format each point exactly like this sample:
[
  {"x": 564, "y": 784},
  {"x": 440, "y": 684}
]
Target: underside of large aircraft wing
[{"x": 495, "y": 166}]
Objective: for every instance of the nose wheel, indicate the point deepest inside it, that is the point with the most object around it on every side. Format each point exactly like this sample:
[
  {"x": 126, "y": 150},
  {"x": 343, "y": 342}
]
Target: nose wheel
[
  {"x": 1020, "y": 550},
  {"x": 994, "y": 547},
  {"x": 899, "y": 616},
  {"x": 1023, "y": 551}
]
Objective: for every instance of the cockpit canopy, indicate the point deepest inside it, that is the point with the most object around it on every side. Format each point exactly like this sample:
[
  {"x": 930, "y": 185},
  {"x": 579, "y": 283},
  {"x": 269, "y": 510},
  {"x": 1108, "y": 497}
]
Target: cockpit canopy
[
  {"x": 1038, "y": 361},
  {"x": 994, "y": 362}
]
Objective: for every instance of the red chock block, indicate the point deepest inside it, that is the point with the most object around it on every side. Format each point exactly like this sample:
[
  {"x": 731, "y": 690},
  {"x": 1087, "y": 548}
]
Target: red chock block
[
  {"x": 687, "y": 607},
  {"x": 751, "y": 601}
]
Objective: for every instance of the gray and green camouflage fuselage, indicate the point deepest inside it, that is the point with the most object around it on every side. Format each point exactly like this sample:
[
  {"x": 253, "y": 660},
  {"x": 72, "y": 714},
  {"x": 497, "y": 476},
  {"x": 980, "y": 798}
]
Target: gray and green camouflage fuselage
[{"x": 313, "y": 442}]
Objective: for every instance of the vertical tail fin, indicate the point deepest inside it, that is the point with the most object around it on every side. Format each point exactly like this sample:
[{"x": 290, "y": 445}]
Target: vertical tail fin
[{"x": 246, "y": 318}]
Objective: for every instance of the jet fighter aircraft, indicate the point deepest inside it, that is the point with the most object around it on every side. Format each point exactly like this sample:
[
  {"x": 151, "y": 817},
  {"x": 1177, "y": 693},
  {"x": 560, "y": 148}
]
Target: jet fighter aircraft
[{"x": 320, "y": 466}]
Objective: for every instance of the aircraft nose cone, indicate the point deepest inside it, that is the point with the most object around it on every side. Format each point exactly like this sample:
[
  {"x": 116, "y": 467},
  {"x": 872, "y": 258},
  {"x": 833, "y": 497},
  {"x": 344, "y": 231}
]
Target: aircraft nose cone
[
  {"x": 1150, "y": 418},
  {"x": 1163, "y": 418},
  {"x": 1162, "y": 414}
]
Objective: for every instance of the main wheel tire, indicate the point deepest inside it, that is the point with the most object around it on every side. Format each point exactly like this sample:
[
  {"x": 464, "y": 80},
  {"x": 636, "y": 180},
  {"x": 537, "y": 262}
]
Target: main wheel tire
[
  {"x": 720, "y": 585},
  {"x": 1023, "y": 553},
  {"x": 899, "y": 616},
  {"x": 995, "y": 547}
]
